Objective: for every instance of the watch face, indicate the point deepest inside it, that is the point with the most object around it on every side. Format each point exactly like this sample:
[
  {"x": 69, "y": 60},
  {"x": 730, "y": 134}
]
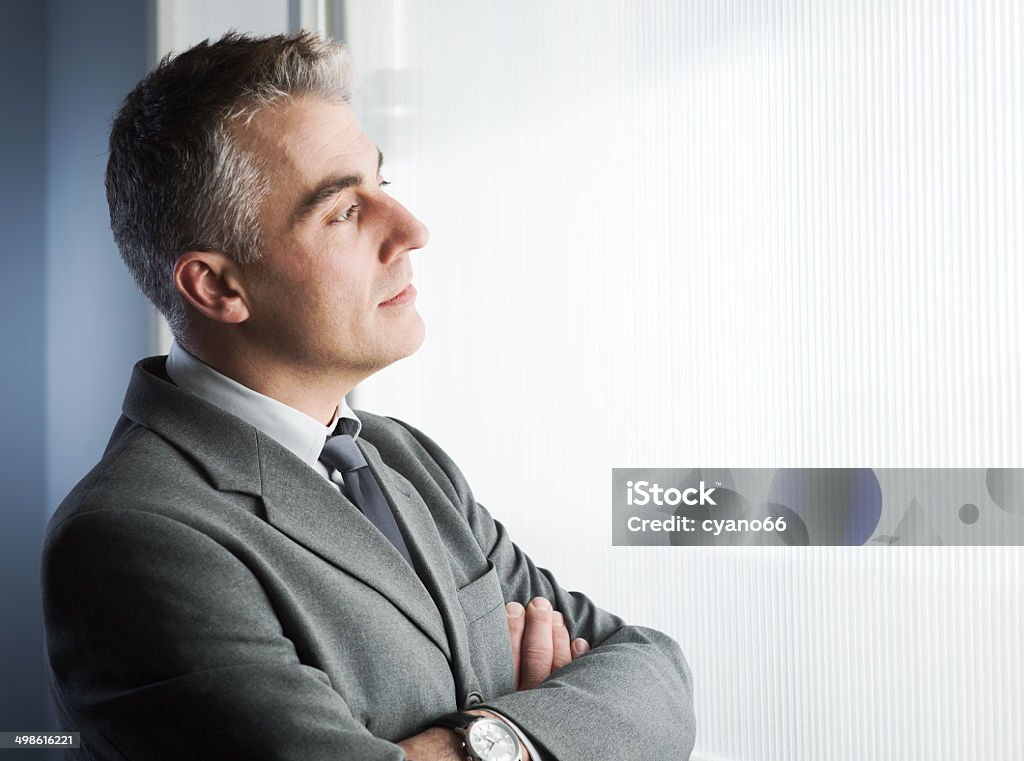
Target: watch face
[{"x": 491, "y": 740}]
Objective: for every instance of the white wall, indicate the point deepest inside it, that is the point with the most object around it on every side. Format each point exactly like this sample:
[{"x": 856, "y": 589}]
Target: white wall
[
  {"x": 734, "y": 234},
  {"x": 182, "y": 23}
]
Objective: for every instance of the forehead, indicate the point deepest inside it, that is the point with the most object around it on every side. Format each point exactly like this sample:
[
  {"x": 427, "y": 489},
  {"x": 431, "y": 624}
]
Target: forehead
[{"x": 303, "y": 139}]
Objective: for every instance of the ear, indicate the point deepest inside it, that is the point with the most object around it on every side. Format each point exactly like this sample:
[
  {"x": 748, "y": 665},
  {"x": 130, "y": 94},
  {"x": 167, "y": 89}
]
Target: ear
[{"x": 210, "y": 281}]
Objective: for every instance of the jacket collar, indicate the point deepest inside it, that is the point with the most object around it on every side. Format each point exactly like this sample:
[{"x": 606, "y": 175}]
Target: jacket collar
[{"x": 222, "y": 445}]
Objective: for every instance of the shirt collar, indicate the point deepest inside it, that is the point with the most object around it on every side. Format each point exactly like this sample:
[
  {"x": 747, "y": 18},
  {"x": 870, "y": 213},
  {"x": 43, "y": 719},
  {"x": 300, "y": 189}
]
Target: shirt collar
[{"x": 294, "y": 430}]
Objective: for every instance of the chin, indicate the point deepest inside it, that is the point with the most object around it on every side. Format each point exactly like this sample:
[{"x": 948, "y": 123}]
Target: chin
[
  {"x": 414, "y": 337},
  {"x": 407, "y": 342}
]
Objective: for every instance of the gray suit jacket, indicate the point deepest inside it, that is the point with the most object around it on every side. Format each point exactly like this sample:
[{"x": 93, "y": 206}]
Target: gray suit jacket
[{"x": 207, "y": 595}]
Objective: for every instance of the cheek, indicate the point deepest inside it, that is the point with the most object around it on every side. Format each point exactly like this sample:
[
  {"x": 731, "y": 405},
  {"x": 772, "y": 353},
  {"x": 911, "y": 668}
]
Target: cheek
[
  {"x": 340, "y": 299},
  {"x": 316, "y": 286}
]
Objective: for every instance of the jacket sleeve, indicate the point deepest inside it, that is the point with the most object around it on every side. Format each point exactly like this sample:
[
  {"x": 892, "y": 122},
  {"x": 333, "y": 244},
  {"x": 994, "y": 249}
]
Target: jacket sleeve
[
  {"x": 629, "y": 697},
  {"x": 163, "y": 645}
]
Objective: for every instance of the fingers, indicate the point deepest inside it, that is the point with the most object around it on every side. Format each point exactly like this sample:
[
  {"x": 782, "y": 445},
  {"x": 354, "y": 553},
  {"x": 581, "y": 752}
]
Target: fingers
[
  {"x": 516, "y": 624},
  {"x": 537, "y": 649},
  {"x": 540, "y": 642},
  {"x": 560, "y": 642},
  {"x": 579, "y": 647}
]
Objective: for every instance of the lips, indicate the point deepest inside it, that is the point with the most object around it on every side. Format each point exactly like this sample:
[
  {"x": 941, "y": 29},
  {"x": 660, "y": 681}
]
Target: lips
[{"x": 406, "y": 295}]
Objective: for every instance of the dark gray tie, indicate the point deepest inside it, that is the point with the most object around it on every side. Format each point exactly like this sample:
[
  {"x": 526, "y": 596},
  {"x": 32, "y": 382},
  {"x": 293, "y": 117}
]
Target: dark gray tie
[{"x": 341, "y": 453}]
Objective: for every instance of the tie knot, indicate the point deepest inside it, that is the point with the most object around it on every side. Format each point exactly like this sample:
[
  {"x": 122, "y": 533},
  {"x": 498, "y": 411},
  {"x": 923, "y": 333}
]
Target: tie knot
[
  {"x": 346, "y": 425},
  {"x": 341, "y": 453}
]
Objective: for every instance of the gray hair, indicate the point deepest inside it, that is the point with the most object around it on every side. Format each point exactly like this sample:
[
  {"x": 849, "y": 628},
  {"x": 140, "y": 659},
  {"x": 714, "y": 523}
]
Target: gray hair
[{"x": 177, "y": 179}]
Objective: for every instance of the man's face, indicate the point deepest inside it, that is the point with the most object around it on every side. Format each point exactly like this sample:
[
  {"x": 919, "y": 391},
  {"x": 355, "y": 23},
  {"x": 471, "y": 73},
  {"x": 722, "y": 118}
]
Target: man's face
[{"x": 332, "y": 293}]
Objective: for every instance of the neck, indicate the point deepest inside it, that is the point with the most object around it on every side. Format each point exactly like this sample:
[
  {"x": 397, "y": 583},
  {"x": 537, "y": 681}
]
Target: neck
[{"x": 315, "y": 393}]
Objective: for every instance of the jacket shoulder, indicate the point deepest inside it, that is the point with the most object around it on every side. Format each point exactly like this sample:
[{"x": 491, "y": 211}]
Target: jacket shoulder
[
  {"x": 414, "y": 454},
  {"x": 140, "y": 471}
]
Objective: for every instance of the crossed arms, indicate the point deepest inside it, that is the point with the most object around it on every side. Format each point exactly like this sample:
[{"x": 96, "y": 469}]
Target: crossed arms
[{"x": 540, "y": 646}]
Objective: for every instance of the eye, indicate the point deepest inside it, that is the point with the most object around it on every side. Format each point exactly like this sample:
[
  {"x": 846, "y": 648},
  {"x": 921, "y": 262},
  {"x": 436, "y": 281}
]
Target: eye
[
  {"x": 346, "y": 215},
  {"x": 384, "y": 183}
]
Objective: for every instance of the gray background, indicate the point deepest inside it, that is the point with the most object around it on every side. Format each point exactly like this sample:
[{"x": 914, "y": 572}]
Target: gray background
[{"x": 66, "y": 65}]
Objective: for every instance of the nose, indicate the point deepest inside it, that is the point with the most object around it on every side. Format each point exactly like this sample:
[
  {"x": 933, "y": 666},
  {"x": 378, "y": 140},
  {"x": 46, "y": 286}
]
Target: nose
[{"x": 404, "y": 231}]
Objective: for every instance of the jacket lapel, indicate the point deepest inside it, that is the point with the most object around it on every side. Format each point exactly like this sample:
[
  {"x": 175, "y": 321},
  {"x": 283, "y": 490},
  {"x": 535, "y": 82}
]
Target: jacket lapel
[
  {"x": 431, "y": 557},
  {"x": 308, "y": 509},
  {"x": 237, "y": 457}
]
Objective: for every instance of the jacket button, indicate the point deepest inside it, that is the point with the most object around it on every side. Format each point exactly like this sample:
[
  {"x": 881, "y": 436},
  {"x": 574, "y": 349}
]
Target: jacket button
[{"x": 474, "y": 699}]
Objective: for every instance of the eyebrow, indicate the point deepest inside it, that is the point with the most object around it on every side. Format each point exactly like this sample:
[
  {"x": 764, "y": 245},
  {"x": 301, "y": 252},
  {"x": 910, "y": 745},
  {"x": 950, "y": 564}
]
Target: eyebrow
[{"x": 327, "y": 189}]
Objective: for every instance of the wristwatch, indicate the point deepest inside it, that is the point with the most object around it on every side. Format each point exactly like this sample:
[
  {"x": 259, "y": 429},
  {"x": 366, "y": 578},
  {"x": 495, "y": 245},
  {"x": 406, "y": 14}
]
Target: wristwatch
[{"x": 484, "y": 738}]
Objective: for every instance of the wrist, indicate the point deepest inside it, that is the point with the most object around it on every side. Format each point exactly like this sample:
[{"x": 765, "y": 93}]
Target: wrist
[
  {"x": 433, "y": 744},
  {"x": 485, "y": 735}
]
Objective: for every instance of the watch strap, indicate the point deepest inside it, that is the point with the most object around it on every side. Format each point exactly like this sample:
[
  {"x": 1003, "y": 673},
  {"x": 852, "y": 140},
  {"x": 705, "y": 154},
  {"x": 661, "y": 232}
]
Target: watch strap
[{"x": 456, "y": 720}]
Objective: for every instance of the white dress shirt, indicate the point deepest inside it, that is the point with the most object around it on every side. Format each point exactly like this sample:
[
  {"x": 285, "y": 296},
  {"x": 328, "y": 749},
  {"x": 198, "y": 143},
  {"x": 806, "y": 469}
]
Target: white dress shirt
[{"x": 296, "y": 431}]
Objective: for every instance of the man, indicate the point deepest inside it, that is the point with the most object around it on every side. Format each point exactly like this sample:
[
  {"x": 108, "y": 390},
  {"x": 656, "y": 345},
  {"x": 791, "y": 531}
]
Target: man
[{"x": 253, "y": 570}]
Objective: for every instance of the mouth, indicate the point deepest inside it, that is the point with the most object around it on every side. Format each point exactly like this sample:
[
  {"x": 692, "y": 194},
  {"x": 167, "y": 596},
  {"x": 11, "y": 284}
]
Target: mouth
[{"x": 404, "y": 296}]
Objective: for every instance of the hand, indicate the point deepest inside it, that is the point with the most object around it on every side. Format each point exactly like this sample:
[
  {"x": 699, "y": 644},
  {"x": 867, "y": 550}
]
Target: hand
[
  {"x": 540, "y": 642},
  {"x": 540, "y": 645}
]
